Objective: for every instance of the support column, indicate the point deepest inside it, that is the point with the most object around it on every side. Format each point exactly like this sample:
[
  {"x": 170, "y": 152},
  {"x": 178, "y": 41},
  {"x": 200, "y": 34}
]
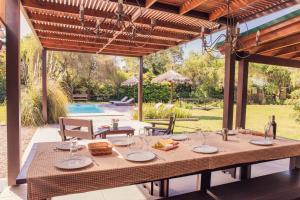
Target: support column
[
  {"x": 242, "y": 94},
  {"x": 12, "y": 22},
  {"x": 228, "y": 87},
  {"x": 140, "y": 90},
  {"x": 44, "y": 85}
]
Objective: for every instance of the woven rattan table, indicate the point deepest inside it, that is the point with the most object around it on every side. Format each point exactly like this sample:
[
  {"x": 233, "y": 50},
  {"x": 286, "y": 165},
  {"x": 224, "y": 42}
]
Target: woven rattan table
[{"x": 45, "y": 181}]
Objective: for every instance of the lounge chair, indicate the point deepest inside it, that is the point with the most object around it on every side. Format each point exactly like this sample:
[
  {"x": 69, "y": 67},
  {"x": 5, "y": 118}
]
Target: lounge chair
[
  {"x": 129, "y": 102},
  {"x": 122, "y": 100}
]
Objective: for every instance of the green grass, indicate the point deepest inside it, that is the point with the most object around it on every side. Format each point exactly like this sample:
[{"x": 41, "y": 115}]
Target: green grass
[
  {"x": 2, "y": 114},
  {"x": 257, "y": 117}
]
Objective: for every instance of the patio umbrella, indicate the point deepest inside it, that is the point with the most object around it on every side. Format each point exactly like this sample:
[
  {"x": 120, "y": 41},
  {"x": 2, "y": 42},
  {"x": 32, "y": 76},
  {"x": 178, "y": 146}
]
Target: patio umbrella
[
  {"x": 131, "y": 82},
  {"x": 172, "y": 77}
]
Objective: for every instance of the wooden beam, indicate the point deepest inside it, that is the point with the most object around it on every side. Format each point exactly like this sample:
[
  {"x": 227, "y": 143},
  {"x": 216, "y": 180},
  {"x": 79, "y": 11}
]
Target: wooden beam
[
  {"x": 75, "y": 23},
  {"x": 149, "y": 3},
  {"x": 94, "y": 40},
  {"x": 12, "y": 21},
  {"x": 48, "y": 6},
  {"x": 93, "y": 45},
  {"x": 273, "y": 61},
  {"x": 2, "y": 11},
  {"x": 271, "y": 34},
  {"x": 242, "y": 94},
  {"x": 289, "y": 55},
  {"x": 228, "y": 87},
  {"x": 278, "y": 44},
  {"x": 189, "y": 5},
  {"x": 284, "y": 51},
  {"x": 140, "y": 90},
  {"x": 235, "y": 5},
  {"x": 44, "y": 86},
  {"x": 141, "y": 40},
  {"x": 74, "y": 48}
]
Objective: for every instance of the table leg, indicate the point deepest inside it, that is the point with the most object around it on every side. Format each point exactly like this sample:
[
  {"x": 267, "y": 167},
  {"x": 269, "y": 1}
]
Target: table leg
[
  {"x": 104, "y": 136},
  {"x": 295, "y": 163},
  {"x": 164, "y": 188},
  {"x": 245, "y": 172},
  {"x": 205, "y": 181}
]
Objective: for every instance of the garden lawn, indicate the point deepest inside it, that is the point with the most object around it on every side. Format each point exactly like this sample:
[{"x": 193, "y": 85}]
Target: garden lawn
[
  {"x": 2, "y": 114},
  {"x": 257, "y": 117}
]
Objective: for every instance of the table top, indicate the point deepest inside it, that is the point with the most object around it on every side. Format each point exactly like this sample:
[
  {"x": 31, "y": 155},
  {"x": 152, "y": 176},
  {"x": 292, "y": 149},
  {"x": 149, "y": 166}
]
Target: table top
[
  {"x": 119, "y": 129},
  {"x": 113, "y": 170}
]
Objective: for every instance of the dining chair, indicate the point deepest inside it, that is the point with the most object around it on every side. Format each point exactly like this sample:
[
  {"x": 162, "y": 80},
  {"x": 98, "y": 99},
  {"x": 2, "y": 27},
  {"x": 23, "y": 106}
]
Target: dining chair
[
  {"x": 80, "y": 128},
  {"x": 154, "y": 130}
]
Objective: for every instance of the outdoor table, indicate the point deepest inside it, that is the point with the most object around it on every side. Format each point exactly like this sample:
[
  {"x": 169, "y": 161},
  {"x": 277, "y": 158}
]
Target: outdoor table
[
  {"x": 45, "y": 181},
  {"x": 111, "y": 131}
]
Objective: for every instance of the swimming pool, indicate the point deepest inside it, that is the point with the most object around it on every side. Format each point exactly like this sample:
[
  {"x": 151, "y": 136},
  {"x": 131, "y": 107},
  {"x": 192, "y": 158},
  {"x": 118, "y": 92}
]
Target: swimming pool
[{"x": 84, "y": 108}]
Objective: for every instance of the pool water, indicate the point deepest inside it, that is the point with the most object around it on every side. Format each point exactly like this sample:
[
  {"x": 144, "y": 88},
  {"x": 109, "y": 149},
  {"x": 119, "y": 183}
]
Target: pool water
[{"x": 84, "y": 108}]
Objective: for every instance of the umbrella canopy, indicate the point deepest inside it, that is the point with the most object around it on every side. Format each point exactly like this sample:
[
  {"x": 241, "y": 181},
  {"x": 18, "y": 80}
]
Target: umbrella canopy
[
  {"x": 172, "y": 77},
  {"x": 130, "y": 82}
]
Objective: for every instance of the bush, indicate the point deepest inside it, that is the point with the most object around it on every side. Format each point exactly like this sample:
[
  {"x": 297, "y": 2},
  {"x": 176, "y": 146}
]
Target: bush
[
  {"x": 31, "y": 106},
  {"x": 163, "y": 112}
]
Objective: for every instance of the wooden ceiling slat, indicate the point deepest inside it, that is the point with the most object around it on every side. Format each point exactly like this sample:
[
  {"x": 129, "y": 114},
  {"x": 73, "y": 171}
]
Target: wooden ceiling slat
[
  {"x": 41, "y": 27},
  {"x": 94, "y": 46},
  {"x": 189, "y": 5},
  {"x": 104, "y": 14},
  {"x": 99, "y": 41},
  {"x": 89, "y": 24},
  {"x": 234, "y": 5},
  {"x": 246, "y": 16},
  {"x": 89, "y": 50}
]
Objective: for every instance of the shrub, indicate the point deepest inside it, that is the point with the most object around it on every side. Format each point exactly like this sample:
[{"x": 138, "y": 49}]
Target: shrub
[
  {"x": 163, "y": 112},
  {"x": 31, "y": 106}
]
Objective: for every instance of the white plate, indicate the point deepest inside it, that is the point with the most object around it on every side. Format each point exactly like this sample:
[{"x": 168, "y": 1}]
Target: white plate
[
  {"x": 206, "y": 149},
  {"x": 140, "y": 156},
  {"x": 76, "y": 162},
  {"x": 121, "y": 142},
  {"x": 262, "y": 142},
  {"x": 179, "y": 137},
  {"x": 65, "y": 146}
]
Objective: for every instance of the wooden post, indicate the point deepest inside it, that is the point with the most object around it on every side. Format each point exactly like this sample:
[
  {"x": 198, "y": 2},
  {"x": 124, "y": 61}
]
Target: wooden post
[
  {"x": 228, "y": 87},
  {"x": 44, "y": 85},
  {"x": 140, "y": 90},
  {"x": 242, "y": 94},
  {"x": 12, "y": 22}
]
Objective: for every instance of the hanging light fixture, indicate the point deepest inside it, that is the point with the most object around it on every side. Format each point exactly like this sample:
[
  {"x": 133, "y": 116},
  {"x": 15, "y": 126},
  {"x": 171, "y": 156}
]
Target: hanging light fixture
[
  {"x": 121, "y": 22},
  {"x": 231, "y": 36}
]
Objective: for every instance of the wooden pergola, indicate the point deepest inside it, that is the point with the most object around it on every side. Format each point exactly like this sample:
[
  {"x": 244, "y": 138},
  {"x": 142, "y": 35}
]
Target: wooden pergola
[{"x": 56, "y": 25}]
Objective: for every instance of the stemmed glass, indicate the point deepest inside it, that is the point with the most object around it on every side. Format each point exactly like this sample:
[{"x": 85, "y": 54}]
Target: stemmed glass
[{"x": 73, "y": 146}]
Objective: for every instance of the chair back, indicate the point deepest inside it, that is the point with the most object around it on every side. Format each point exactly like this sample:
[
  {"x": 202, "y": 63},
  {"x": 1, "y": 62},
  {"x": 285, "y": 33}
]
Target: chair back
[
  {"x": 130, "y": 100},
  {"x": 80, "y": 128},
  {"x": 171, "y": 124},
  {"x": 124, "y": 99}
]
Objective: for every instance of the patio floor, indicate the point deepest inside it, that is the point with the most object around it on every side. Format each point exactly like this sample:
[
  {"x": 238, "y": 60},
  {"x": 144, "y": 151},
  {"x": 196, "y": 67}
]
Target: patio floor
[{"x": 49, "y": 133}]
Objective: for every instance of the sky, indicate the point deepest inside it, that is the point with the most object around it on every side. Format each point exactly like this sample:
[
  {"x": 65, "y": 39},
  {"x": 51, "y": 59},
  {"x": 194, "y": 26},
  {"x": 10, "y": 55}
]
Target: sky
[{"x": 195, "y": 46}]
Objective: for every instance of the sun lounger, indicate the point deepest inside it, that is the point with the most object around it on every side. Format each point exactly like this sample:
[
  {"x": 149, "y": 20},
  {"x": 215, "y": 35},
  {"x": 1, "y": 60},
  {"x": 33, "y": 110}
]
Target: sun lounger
[
  {"x": 126, "y": 103},
  {"x": 122, "y": 100}
]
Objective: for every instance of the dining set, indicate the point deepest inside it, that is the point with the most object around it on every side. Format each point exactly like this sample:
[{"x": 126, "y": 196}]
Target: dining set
[{"x": 67, "y": 167}]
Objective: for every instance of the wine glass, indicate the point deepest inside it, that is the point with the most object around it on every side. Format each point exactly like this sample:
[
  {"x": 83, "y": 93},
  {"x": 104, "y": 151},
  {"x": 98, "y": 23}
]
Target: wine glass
[{"x": 73, "y": 146}]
